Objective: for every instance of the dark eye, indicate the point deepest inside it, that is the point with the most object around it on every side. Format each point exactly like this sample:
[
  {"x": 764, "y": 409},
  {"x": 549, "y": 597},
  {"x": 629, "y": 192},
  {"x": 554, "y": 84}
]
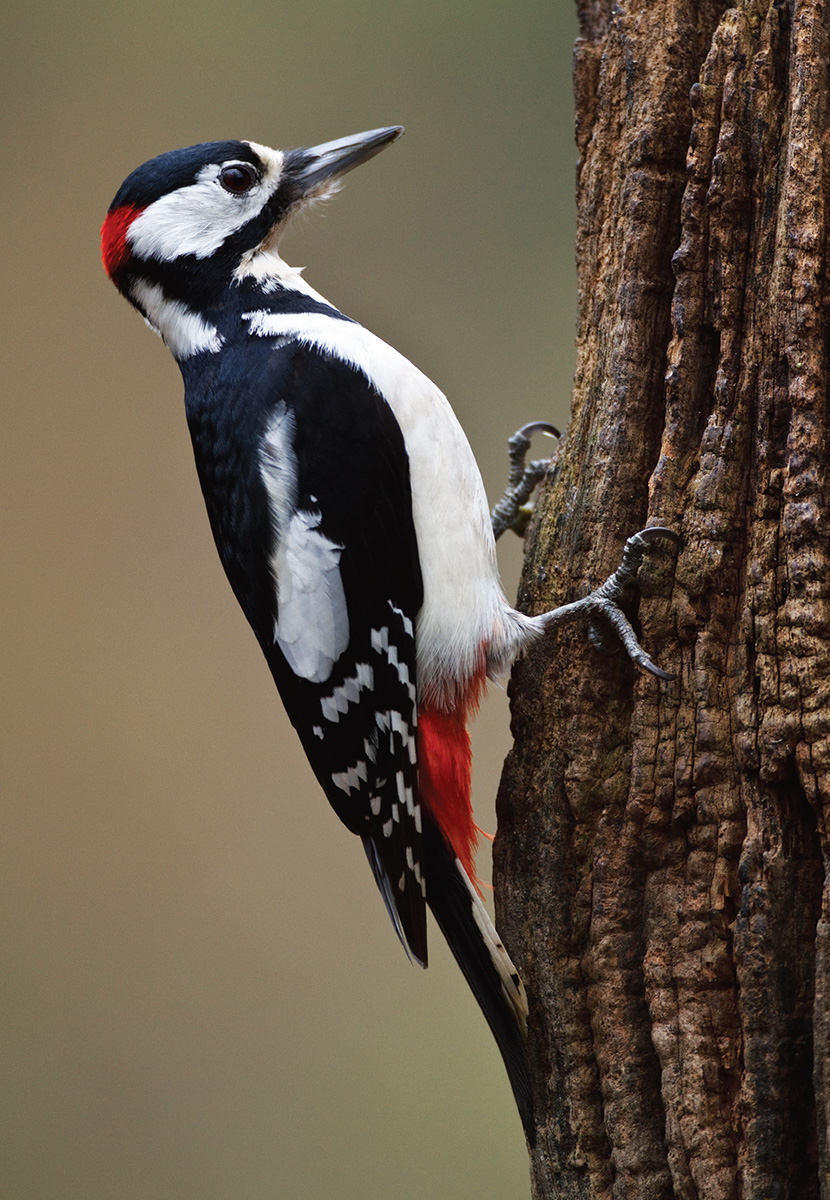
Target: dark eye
[{"x": 238, "y": 179}]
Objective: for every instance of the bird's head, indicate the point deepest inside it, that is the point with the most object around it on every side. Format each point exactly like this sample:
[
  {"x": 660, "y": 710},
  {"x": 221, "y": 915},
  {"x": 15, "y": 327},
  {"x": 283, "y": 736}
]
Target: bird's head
[{"x": 196, "y": 217}]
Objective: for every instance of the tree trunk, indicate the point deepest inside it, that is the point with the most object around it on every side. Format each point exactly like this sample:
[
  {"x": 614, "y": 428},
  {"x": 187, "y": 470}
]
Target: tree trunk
[{"x": 660, "y": 862}]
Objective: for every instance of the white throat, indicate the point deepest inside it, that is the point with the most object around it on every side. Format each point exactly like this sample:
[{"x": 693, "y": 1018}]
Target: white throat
[{"x": 270, "y": 271}]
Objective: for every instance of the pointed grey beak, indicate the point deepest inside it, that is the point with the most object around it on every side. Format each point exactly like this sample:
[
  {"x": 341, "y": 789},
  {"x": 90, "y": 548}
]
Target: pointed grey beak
[{"x": 309, "y": 168}]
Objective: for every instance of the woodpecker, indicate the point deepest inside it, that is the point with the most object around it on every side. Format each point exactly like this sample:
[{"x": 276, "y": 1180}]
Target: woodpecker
[{"x": 351, "y": 520}]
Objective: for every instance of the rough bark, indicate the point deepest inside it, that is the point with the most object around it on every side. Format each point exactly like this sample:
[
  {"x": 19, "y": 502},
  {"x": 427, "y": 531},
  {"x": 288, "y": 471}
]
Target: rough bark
[{"x": 661, "y": 860}]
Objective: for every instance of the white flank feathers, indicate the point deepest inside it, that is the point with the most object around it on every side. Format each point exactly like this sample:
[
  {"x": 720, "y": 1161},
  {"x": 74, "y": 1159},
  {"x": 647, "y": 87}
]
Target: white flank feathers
[{"x": 465, "y": 612}]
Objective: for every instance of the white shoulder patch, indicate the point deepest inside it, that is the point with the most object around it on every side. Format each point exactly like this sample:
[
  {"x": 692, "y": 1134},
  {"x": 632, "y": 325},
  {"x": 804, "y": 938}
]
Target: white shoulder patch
[
  {"x": 312, "y": 629},
  {"x": 312, "y": 625}
]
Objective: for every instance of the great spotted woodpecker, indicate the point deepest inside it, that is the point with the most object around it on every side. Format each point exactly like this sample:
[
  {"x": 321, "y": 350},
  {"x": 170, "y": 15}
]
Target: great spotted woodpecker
[{"x": 350, "y": 517}]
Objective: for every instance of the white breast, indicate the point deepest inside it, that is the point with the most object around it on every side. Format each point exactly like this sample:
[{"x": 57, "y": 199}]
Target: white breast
[{"x": 464, "y": 613}]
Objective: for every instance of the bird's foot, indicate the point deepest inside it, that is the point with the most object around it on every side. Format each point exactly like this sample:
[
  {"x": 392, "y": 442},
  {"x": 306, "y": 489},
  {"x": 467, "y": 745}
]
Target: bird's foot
[
  {"x": 513, "y": 511},
  {"x": 602, "y": 606}
]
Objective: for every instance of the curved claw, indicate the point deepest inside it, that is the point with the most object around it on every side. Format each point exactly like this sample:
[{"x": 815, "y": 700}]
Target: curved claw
[
  {"x": 621, "y": 625},
  {"x": 528, "y": 431},
  {"x": 647, "y": 665},
  {"x": 603, "y": 602},
  {"x": 511, "y": 511},
  {"x": 619, "y": 622},
  {"x": 653, "y": 532}
]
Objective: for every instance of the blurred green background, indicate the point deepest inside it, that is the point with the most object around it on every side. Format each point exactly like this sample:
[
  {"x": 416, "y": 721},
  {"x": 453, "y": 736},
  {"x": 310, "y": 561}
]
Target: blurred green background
[{"x": 203, "y": 997}]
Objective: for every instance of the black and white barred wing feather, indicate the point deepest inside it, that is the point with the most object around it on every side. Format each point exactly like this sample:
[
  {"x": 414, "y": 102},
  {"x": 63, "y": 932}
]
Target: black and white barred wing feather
[{"x": 342, "y": 597}]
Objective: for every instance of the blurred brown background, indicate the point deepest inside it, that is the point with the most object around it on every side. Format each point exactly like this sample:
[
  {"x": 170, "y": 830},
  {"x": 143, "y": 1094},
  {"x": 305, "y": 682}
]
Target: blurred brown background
[{"x": 203, "y": 997}]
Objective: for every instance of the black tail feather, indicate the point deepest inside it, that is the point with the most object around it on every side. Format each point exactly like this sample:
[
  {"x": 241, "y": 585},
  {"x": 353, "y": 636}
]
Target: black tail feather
[{"x": 478, "y": 951}]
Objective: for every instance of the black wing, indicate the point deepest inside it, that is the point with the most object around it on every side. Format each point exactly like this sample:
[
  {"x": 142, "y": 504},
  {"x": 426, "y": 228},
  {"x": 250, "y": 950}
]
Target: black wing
[{"x": 306, "y": 478}]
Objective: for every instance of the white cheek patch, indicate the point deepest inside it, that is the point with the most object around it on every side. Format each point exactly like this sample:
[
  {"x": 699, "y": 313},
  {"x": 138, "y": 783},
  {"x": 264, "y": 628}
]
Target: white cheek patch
[
  {"x": 312, "y": 625},
  {"x": 198, "y": 218}
]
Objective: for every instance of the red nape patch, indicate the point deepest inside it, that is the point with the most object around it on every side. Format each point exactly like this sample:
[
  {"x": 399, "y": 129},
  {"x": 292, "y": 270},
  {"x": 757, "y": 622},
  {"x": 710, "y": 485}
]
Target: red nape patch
[
  {"x": 444, "y": 762},
  {"x": 115, "y": 249}
]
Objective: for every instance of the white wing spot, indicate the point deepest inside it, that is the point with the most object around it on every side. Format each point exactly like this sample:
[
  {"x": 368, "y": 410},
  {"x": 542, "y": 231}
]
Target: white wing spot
[
  {"x": 347, "y": 693},
  {"x": 382, "y": 645},
  {"x": 350, "y": 780},
  {"x": 380, "y": 639},
  {"x": 405, "y": 621},
  {"x": 317, "y": 731}
]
